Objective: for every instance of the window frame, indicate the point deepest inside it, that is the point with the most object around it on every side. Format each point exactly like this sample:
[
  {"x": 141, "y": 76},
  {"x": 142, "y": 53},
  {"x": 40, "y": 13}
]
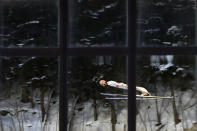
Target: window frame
[{"x": 63, "y": 52}]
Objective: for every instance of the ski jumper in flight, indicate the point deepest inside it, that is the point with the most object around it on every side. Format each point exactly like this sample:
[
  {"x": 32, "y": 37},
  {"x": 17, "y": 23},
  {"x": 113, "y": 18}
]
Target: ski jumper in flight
[{"x": 104, "y": 83}]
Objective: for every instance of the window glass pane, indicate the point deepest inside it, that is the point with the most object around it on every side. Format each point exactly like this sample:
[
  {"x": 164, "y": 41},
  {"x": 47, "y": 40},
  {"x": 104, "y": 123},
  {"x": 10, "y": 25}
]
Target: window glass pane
[
  {"x": 166, "y": 23},
  {"x": 97, "y": 23},
  {"x": 29, "y": 94},
  {"x": 172, "y": 80},
  {"x": 92, "y": 106},
  {"x": 25, "y": 23}
]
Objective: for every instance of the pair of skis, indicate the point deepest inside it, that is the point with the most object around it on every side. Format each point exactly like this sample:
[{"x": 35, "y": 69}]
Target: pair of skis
[{"x": 109, "y": 96}]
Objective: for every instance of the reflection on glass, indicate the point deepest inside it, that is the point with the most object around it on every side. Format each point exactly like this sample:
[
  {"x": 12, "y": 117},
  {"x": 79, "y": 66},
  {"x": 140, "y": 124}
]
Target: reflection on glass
[
  {"x": 172, "y": 80},
  {"x": 28, "y": 23},
  {"x": 29, "y": 96},
  {"x": 88, "y": 108},
  {"x": 97, "y": 23},
  {"x": 166, "y": 22}
]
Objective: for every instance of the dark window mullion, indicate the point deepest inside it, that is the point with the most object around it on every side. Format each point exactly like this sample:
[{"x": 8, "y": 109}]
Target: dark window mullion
[
  {"x": 96, "y": 51},
  {"x": 166, "y": 51},
  {"x": 131, "y": 65},
  {"x": 63, "y": 33},
  {"x": 29, "y": 52}
]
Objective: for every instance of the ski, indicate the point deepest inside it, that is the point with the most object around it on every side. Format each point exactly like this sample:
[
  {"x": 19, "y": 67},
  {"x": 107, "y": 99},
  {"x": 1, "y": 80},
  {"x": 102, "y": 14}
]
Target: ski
[
  {"x": 137, "y": 98},
  {"x": 108, "y": 94},
  {"x": 158, "y": 97},
  {"x": 116, "y": 98}
]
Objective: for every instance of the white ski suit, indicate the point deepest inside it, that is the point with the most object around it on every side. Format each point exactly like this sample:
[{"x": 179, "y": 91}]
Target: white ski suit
[{"x": 125, "y": 86}]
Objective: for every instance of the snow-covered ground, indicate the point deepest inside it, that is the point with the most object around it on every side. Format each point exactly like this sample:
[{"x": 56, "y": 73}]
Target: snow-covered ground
[
  {"x": 147, "y": 114},
  {"x": 83, "y": 120},
  {"x": 18, "y": 116},
  {"x": 186, "y": 106}
]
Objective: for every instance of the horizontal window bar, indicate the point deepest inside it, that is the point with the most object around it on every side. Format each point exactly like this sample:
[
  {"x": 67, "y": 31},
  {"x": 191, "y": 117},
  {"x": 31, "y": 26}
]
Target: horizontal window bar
[
  {"x": 166, "y": 51},
  {"x": 30, "y": 51},
  {"x": 96, "y": 51}
]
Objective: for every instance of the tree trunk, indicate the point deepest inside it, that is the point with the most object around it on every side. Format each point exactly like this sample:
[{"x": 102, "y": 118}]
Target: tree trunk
[
  {"x": 42, "y": 103},
  {"x": 95, "y": 109},
  {"x": 71, "y": 114},
  {"x": 113, "y": 117},
  {"x": 176, "y": 116},
  {"x": 25, "y": 95},
  {"x": 157, "y": 110}
]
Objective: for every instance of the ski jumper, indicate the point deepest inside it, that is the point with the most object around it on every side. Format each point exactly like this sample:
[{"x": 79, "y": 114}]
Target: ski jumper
[{"x": 125, "y": 86}]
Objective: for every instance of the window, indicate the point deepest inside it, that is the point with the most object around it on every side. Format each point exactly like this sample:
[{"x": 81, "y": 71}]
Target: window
[
  {"x": 90, "y": 105},
  {"x": 173, "y": 78},
  {"x": 21, "y": 27},
  {"x": 165, "y": 64},
  {"x": 29, "y": 93},
  {"x": 48, "y": 48},
  {"x": 29, "y": 71},
  {"x": 92, "y": 23}
]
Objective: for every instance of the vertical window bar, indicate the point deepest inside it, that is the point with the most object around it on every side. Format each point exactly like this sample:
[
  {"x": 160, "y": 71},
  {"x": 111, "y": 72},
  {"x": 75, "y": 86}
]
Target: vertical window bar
[
  {"x": 195, "y": 44},
  {"x": 63, "y": 23},
  {"x": 1, "y": 24},
  {"x": 131, "y": 65}
]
